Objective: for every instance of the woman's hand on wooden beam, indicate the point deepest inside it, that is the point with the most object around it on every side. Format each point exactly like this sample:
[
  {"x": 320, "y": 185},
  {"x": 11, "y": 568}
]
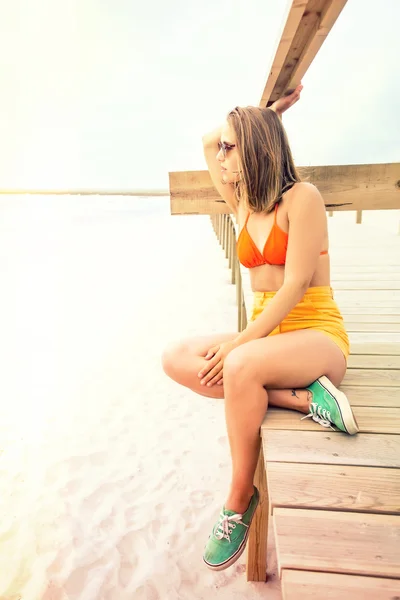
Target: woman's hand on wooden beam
[{"x": 281, "y": 105}]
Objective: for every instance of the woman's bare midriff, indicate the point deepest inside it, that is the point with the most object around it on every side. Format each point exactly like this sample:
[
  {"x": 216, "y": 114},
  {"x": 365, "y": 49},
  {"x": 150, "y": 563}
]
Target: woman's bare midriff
[{"x": 269, "y": 278}]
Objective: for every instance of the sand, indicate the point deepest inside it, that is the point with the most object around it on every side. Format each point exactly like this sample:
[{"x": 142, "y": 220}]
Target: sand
[{"x": 111, "y": 474}]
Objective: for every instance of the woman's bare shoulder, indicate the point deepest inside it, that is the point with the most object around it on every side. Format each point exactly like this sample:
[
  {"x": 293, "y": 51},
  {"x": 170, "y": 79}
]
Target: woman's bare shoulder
[
  {"x": 304, "y": 187},
  {"x": 305, "y": 191}
]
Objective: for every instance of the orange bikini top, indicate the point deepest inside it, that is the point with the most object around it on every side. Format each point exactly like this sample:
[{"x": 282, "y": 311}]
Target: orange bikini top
[{"x": 274, "y": 252}]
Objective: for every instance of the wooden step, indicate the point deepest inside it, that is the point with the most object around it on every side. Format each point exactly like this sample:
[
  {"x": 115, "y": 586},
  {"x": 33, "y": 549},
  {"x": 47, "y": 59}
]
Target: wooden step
[
  {"x": 374, "y": 361},
  {"x": 337, "y": 542},
  {"x": 310, "y": 585},
  {"x": 329, "y": 447},
  {"x": 376, "y": 348},
  {"x": 360, "y": 395},
  {"x": 370, "y": 419},
  {"x": 333, "y": 487},
  {"x": 372, "y": 377}
]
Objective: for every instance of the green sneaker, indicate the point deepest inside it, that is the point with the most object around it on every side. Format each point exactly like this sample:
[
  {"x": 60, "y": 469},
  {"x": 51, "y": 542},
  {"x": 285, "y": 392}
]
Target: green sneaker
[
  {"x": 330, "y": 406},
  {"x": 229, "y": 536}
]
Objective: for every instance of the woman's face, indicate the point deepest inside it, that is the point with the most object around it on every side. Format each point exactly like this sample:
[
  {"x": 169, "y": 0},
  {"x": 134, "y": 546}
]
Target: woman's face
[{"x": 228, "y": 155}]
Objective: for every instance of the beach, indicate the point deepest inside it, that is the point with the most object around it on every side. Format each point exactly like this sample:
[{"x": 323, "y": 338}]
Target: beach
[{"x": 112, "y": 474}]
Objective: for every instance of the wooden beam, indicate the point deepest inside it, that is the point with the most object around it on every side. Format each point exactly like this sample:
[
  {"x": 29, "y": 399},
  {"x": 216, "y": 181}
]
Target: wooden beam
[
  {"x": 307, "y": 26},
  {"x": 343, "y": 187}
]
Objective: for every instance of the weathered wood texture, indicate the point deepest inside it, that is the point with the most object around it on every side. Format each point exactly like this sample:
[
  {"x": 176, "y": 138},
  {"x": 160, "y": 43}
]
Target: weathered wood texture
[
  {"x": 338, "y": 542},
  {"x": 343, "y": 187},
  {"x": 309, "y": 585},
  {"x": 307, "y": 25},
  {"x": 315, "y": 486},
  {"x": 257, "y": 553}
]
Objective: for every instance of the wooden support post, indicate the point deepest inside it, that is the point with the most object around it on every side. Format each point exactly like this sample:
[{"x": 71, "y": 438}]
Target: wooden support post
[
  {"x": 238, "y": 294},
  {"x": 359, "y": 216},
  {"x": 227, "y": 226},
  {"x": 257, "y": 543},
  {"x": 237, "y": 282},
  {"x": 233, "y": 253},
  {"x": 234, "y": 261},
  {"x": 230, "y": 243},
  {"x": 244, "y": 315}
]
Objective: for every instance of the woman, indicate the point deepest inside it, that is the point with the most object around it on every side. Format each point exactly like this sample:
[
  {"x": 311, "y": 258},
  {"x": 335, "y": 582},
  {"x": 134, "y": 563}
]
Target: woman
[{"x": 294, "y": 350}]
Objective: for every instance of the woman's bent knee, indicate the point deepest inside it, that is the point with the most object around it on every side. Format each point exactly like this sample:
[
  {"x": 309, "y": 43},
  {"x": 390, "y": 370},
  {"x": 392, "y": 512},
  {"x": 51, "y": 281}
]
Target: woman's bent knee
[
  {"x": 236, "y": 366},
  {"x": 171, "y": 359}
]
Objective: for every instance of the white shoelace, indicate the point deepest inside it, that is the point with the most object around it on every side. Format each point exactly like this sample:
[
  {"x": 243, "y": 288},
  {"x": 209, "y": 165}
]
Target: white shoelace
[
  {"x": 321, "y": 416},
  {"x": 222, "y": 530}
]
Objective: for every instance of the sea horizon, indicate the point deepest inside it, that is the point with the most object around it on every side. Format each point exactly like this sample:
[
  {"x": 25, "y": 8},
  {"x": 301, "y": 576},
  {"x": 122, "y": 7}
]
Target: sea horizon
[{"x": 87, "y": 192}]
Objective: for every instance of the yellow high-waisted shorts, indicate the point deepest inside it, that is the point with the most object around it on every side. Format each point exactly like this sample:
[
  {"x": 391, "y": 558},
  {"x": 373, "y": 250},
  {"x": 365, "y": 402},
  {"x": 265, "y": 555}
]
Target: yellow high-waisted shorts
[{"x": 316, "y": 310}]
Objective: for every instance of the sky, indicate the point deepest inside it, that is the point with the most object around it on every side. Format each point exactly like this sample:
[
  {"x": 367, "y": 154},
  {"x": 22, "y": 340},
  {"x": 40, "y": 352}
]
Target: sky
[{"x": 114, "y": 94}]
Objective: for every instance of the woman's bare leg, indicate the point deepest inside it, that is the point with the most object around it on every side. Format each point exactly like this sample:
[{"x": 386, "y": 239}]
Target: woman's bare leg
[
  {"x": 291, "y": 360},
  {"x": 270, "y": 371},
  {"x": 182, "y": 362}
]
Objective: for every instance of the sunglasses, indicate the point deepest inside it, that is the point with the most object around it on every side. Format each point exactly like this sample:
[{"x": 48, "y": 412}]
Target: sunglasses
[{"x": 225, "y": 147}]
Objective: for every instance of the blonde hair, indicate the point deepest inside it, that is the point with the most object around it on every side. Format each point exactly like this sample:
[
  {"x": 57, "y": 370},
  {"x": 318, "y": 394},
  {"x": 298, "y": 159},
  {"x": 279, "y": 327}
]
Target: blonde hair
[{"x": 264, "y": 157}]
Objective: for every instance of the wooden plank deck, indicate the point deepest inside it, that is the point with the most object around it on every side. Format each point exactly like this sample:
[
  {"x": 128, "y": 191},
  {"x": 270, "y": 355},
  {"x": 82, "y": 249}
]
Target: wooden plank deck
[{"x": 335, "y": 499}]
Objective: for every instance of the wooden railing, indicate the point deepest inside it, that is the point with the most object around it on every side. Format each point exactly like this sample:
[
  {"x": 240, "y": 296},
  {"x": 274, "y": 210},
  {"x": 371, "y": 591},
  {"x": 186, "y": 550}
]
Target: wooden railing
[{"x": 225, "y": 230}]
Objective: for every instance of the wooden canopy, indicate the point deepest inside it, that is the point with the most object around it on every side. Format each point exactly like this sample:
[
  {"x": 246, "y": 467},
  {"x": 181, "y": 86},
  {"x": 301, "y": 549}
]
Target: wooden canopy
[{"x": 344, "y": 187}]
